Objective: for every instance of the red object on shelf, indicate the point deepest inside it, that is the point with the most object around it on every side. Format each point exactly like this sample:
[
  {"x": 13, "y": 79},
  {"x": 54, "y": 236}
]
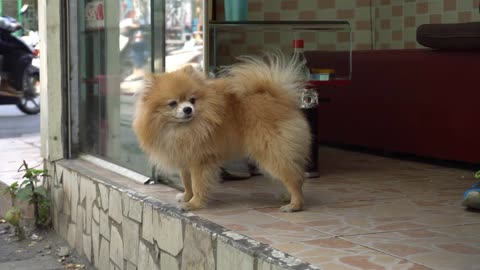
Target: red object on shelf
[{"x": 298, "y": 43}]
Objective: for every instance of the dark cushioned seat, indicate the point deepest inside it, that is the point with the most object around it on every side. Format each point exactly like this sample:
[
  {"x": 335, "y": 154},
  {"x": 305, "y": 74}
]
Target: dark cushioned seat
[{"x": 456, "y": 36}]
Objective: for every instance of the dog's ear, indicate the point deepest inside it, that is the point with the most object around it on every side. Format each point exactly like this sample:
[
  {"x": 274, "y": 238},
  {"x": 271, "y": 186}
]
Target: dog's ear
[
  {"x": 148, "y": 81},
  {"x": 189, "y": 70}
]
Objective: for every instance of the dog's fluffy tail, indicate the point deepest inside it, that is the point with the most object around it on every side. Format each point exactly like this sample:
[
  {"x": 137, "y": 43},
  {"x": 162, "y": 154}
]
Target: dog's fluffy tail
[{"x": 272, "y": 72}]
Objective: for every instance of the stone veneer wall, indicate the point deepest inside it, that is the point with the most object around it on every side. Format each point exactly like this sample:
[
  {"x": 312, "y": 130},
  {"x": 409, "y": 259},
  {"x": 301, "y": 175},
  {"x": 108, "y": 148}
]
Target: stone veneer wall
[{"x": 116, "y": 228}]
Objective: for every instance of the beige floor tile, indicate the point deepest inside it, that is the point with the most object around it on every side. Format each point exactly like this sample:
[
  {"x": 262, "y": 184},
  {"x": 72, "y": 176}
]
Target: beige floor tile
[
  {"x": 260, "y": 192},
  {"x": 262, "y": 227},
  {"x": 456, "y": 247},
  {"x": 335, "y": 253},
  {"x": 361, "y": 217}
]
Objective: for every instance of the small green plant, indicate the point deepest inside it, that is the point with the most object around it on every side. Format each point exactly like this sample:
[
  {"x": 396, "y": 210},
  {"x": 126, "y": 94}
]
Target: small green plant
[
  {"x": 14, "y": 214},
  {"x": 477, "y": 175},
  {"x": 12, "y": 191},
  {"x": 34, "y": 193}
]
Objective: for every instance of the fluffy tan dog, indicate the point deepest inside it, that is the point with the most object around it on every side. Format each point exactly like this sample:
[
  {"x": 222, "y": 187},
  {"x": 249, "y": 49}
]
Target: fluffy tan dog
[{"x": 190, "y": 124}]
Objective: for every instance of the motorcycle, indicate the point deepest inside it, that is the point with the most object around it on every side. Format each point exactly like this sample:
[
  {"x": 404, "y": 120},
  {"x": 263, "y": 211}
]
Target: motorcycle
[{"x": 19, "y": 78}]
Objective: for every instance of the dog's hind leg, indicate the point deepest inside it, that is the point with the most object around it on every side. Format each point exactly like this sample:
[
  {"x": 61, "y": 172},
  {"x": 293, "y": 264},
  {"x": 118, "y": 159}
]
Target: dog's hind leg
[
  {"x": 202, "y": 178},
  {"x": 283, "y": 152},
  {"x": 187, "y": 183},
  {"x": 291, "y": 176}
]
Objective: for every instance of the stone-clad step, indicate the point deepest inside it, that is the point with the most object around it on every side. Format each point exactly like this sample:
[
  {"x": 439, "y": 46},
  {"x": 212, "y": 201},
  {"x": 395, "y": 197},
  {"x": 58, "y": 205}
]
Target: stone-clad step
[{"x": 117, "y": 225}]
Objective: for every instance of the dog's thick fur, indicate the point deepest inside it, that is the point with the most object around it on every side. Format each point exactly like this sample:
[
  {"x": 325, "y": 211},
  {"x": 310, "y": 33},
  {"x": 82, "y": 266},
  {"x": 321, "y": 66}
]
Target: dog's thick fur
[{"x": 251, "y": 112}]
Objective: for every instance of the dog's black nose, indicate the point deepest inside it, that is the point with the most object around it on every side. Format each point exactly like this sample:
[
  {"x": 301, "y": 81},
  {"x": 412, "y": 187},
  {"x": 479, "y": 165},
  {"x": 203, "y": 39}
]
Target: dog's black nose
[{"x": 187, "y": 110}]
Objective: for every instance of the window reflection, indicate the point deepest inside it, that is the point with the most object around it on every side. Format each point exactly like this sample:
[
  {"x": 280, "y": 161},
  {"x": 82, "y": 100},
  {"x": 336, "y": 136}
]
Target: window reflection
[
  {"x": 134, "y": 43},
  {"x": 115, "y": 52},
  {"x": 183, "y": 39},
  {"x": 183, "y": 34}
]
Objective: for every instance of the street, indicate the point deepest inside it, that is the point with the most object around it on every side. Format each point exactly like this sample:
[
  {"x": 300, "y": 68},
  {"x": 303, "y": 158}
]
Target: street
[{"x": 14, "y": 123}]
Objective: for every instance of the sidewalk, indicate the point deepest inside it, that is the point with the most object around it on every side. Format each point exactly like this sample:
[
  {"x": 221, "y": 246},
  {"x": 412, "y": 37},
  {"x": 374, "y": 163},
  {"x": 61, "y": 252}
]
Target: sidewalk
[{"x": 13, "y": 151}]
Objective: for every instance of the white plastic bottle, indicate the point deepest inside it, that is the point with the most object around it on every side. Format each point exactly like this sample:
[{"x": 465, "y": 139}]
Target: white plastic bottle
[{"x": 298, "y": 52}]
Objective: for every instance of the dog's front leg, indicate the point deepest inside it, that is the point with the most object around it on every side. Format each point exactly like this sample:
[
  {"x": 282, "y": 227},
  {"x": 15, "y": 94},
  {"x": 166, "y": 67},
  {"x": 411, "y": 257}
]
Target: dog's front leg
[
  {"x": 202, "y": 178},
  {"x": 187, "y": 184}
]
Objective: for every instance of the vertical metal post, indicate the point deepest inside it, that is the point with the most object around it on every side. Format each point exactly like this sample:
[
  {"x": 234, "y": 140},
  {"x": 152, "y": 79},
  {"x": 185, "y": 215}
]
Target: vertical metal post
[
  {"x": 73, "y": 72},
  {"x": 19, "y": 11},
  {"x": 309, "y": 105},
  {"x": 157, "y": 51}
]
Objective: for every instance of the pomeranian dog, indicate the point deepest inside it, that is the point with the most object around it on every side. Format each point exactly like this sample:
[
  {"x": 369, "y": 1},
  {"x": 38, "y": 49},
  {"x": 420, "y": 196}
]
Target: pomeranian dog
[{"x": 191, "y": 124}]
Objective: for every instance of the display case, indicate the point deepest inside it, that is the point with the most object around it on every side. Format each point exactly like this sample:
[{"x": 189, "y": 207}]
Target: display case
[
  {"x": 228, "y": 40},
  {"x": 327, "y": 47}
]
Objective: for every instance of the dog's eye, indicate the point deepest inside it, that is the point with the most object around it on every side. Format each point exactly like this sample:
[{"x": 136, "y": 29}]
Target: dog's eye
[
  {"x": 192, "y": 100},
  {"x": 172, "y": 104}
]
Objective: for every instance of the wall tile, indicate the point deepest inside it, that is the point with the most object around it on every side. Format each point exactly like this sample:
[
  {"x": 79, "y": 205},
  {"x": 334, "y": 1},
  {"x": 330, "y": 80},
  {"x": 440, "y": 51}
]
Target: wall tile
[
  {"x": 230, "y": 258},
  {"x": 145, "y": 258},
  {"x": 169, "y": 262},
  {"x": 115, "y": 206},
  {"x": 104, "y": 257},
  {"x": 131, "y": 235},
  {"x": 168, "y": 233},
  {"x": 116, "y": 247},
  {"x": 198, "y": 252}
]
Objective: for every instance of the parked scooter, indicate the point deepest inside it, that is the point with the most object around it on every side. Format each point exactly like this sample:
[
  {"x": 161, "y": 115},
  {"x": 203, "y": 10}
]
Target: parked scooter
[{"x": 19, "y": 79}]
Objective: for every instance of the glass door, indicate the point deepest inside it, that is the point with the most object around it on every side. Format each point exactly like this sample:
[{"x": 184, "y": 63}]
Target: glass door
[{"x": 119, "y": 41}]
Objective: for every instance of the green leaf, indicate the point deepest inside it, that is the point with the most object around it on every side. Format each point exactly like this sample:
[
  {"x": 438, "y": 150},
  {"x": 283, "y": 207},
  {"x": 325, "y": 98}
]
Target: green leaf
[
  {"x": 28, "y": 185},
  {"x": 13, "y": 216},
  {"x": 43, "y": 213},
  {"x": 11, "y": 189},
  {"x": 477, "y": 175},
  {"x": 28, "y": 174},
  {"x": 25, "y": 182},
  {"x": 36, "y": 171},
  {"x": 41, "y": 191},
  {"x": 25, "y": 194}
]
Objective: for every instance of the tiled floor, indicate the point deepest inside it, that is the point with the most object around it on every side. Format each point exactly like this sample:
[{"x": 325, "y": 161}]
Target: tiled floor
[{"x": 364, "y": 212}]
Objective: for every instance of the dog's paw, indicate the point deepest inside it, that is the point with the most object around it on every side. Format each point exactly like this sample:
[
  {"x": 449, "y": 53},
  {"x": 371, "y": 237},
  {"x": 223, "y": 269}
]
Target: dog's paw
[
  {"x": 184, "y": 206},
  {"x": 291, "y": 208},
  {"x": 189, "y": 206},
  {"x": 182, "y": 197}
]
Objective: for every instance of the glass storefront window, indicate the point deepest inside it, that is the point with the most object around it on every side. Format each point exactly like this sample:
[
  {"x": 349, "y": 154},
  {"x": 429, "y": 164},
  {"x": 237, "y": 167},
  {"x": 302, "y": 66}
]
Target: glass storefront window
[
  {"x": 183, "y": 34},
  {"x": 119, "y": 41}
]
